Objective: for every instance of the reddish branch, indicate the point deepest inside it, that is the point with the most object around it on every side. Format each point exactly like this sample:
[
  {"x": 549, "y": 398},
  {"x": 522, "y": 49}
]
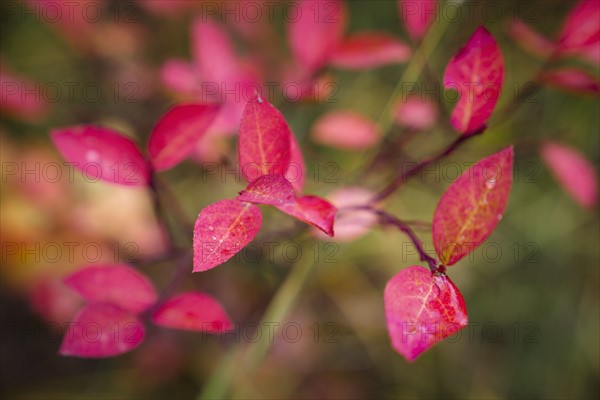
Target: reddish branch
[
  {"x": 401, "y": 178},
  {"x": 389, "y": 219}
]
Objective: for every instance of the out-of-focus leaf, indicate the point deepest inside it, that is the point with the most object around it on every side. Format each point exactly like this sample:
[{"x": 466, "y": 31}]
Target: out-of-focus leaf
[
  {"x": 180, "y": 76},
  {"x": 316, "y": 32},
  {"x": 102, "y": 153},
  {"x": 177, "y": 132},
  {"x": 472, "y": 206},
  {"x": 476, "y": 72},
  {"x": 102, "y": 330},
  {"x": 313, "y": 210},
  {"x": 21, "y": 97},
  {"x": 222, "y": 230},
  {"x": 581, "y": 32},
  {"x": 213, "y": 52},
  {"x": 268, "y": 189},
  {"x": 573, "y": 171},
  {"x": 416, "y": 113},
  {"x": 572, "y": 80},
  {"x": 118, "y": 284},
  {"x": 264, "y": 140},
  {"x": 530, "y": 40},
  {"x": 371, "y": 49},
  {"x": 417, "y": 16},
  {"x": 421, "y": 310},
  {"x": 193, "y": 311},
  {"x": 345, "y": 130},
  {"x": 350, "y": 224}
]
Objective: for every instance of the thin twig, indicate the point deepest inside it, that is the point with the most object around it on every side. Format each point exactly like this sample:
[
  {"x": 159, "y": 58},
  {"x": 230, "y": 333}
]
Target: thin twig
[
  {"x": 401, "y": 178},
  {"x": 389, "y": 219}
]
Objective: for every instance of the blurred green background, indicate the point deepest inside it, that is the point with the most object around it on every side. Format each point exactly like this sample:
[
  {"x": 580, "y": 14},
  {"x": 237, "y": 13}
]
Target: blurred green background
[{"x": 532, "y": 291}]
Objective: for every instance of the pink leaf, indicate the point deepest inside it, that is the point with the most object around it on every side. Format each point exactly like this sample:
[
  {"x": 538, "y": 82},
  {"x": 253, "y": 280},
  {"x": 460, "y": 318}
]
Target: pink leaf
[
  {"x": 264, "y": 142},
  {"x": 581, "y": 32},
  {"x": 572, "y": 80},
  {"x": 102, "y": 330},
  {"x": 233, "y": 94},
  {"x": 180, "y": 76},
  {"x": 350, "y": 224},
  {"x": 472, "y": 206},
  {"x": 573, "y": 171},
  {"x": 268, "y": 189},
  {"x": 313, "y": 210},
  {"x": 118, "y": 284},
  {"x": 223, "y": 229},
  {"x": 417, "y": 16},
  {"x": 316, "y": 31},
  {"x": 102, "y": 153},
  {"x": 21, "y": 97},
  {"x": 416, "y": 113},
  {"x": 346, "y": 130},
  {"x": 177, "y": 132},
  {"x": 421, "y": 310},
  {"x": 530, "y": 40},
  {"x": 477, "y": 73},
  {"x": 365, "y": 50},
  {"x": 296, "y": 171},
  {"x": 193, "y": 311},
  {"x": 213, "y": 51}
]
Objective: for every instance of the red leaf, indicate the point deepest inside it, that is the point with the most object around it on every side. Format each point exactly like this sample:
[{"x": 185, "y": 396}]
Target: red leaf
[
  {"x": 571, "y": 80},
  {"x": 530, "y": 40},
  {"x": 102, "y": 330},
  {"x": 581, "y": 32},
  {"x": 223, "y": 229},
  {"x": 421, "y": 310},
  {"x": 118, "y": 284},
  {"x": 296, "y": 171},
  {"x": 313, "y": 210},
  {"x": 365, "y": 50},
  {"x": 268, "y": 189},
  {"x": 472, "y": 206},
  {"x": 477, "y": 73},
  {"x": 316, "y": 31},
  {"x": 417, "y": 16},
  {"x": 264, "y": 143},
  {"x": 177, "y": 132},
  {"x": 193, "y": 311},
  {"x": 573, "y": 171},
  {"x": 101, "y": 153},
  {"x": 345, "y": 130}
]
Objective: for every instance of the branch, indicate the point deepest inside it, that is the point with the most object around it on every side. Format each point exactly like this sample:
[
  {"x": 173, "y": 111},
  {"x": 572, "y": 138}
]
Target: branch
[
  {"x": 389, "y": 219},
  {"x": 401, "y": 178}
]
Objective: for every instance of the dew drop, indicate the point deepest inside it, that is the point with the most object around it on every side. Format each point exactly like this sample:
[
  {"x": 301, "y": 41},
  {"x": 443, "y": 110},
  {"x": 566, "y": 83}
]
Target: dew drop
[
  {"x": 490, "y": 183},
  {"x": 211, "y": 228},
  {"x": 499, "y": 217}
]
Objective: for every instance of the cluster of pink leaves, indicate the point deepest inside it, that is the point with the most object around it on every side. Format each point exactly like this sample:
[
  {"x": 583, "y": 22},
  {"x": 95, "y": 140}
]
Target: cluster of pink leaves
[
  {"x": 267, "y": 152},
  {"x": 579, "y": 38},
  {"x": 316, "y": 40},
  {"x": 423, "y": 307},
  {"x": 118, "y": 297}
]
